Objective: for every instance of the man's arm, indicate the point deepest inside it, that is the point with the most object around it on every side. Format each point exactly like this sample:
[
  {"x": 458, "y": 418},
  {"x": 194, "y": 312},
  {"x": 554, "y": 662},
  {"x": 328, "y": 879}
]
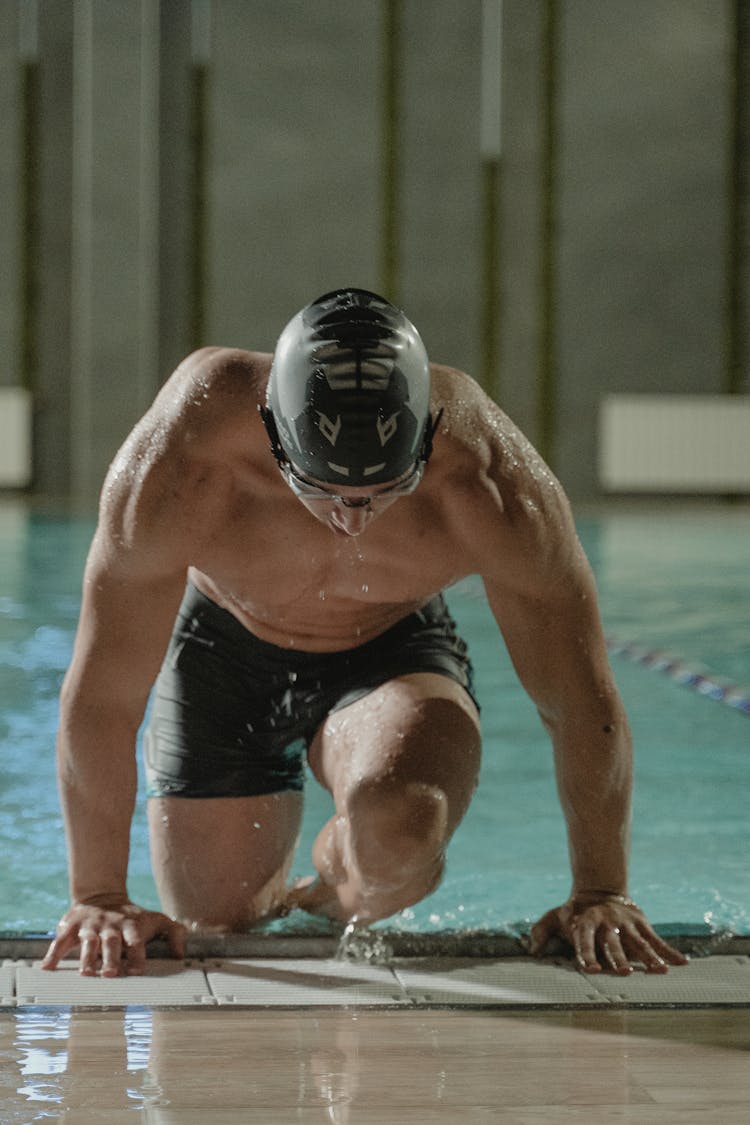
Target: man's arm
[
  {"x": 130, "y": 600},
  {"x": 548, "y": 614}
]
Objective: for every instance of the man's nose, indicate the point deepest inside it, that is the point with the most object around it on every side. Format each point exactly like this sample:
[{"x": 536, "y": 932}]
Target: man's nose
[{"x": 353, "y": 521}]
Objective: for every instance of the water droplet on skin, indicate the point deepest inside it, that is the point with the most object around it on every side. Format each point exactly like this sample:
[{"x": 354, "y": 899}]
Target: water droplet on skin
[
  {"x": 365, "y": 588},
  {"x": 255, "y": 825}
]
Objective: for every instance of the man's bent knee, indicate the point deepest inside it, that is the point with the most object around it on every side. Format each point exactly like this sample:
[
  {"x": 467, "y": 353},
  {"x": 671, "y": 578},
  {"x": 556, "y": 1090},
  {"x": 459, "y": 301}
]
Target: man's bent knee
[{"x": 398, "y": 832}]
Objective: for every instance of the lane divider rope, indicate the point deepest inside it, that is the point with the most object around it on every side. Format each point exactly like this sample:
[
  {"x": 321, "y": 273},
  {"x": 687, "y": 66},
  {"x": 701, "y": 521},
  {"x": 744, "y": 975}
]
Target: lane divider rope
[{"x": 687, "y": 673}]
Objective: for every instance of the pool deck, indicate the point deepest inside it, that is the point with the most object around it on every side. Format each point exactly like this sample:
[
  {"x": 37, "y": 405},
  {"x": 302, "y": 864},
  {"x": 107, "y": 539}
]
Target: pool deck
[
  {"x": 446, "y": 982},
  {"x": 267, "y": 1039},
  {"x": 268, "y": 972}
]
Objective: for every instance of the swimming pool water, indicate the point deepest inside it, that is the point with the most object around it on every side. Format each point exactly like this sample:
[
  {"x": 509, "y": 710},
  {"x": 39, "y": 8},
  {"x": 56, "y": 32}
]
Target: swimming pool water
[{"x": 671, "y": 579}]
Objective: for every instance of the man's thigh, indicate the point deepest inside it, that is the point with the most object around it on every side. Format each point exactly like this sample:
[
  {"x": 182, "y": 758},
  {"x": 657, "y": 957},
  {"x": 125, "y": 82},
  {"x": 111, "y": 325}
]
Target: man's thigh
[
  {"x": 223, "y": 861},
  {"x": 422, "y": 727}
]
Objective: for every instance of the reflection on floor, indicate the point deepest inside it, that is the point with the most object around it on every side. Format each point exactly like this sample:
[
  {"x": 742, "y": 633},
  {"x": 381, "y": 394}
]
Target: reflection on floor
[{"x": 282, "y": 1041}]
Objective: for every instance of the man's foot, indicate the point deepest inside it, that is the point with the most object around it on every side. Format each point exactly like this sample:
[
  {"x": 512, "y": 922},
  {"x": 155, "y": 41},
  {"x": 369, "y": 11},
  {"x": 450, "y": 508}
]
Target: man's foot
[{"x": 310, "y": 893}]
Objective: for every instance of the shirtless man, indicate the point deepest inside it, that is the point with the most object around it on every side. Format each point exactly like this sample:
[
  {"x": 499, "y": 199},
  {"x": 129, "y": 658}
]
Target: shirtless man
[{"x": 274, "y": 536}]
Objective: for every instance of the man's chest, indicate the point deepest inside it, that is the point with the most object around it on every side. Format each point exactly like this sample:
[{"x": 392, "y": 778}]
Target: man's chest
[{"x": 288, "y": 563}]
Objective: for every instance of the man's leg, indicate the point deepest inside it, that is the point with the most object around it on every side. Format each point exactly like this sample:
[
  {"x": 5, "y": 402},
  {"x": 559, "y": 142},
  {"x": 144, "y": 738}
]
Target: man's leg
[
  {"x": 221, "y": 863},
  {"x": 402, "y": 764}
]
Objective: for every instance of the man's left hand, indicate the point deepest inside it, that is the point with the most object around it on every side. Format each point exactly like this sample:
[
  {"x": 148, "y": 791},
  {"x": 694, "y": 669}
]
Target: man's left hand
[{"x": 606, "y": 932}]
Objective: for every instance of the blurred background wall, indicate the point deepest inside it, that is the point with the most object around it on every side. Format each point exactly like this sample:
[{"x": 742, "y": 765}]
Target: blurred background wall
[{"x": 554, "y": 190}]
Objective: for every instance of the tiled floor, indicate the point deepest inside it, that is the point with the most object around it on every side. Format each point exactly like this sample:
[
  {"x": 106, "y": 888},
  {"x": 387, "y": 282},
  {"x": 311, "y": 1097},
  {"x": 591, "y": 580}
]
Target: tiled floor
[
  {"x": 264, "y": 982},
  {"x": 227, "y": 1065},
  {"x": 282, "y": 1040}
]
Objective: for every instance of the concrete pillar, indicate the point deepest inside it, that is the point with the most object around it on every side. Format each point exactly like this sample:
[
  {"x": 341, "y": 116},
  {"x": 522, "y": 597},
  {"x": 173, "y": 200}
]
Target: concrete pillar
[
  {"x": 114, "y": 316},
  {"x": 441, "y": 274},
  {"x": 644, "y": 149},
  {"x": 293, "y": 192},
  {"x": 175, "y": 181},
  {"x": 10, "y": 117},
  {"x": 52, "y": 434},
  {"x": 520, "y": 213}
]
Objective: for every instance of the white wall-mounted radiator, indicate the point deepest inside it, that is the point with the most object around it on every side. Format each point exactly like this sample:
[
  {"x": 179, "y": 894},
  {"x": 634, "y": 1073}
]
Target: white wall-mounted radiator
[
  {"x": 675, "y": 443},
  {"x": 15, "y": 437}
]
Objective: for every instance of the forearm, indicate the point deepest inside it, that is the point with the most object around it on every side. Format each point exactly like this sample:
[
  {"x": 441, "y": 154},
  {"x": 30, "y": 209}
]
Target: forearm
[
  {"x": 593, "y": 761},
  {"x": 97, "y": 778}
]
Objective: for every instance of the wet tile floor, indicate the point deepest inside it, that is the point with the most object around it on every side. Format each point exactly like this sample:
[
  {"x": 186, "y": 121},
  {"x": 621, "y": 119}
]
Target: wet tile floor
[{"x": 272, "y": 1040}]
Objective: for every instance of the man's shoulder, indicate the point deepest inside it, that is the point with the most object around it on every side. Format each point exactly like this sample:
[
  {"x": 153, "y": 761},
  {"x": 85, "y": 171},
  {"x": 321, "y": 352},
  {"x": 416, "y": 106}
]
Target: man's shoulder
[
  {"x": 218, "y": 369},
  {"x": 449, "y": 382},
  {"x": 214, "y": 392},
  {"x": 509, "y": 503},
  {"x": 462, "y": 398},
  {"x": 479, "y": 432},
  {"x": 184, "y": 449}
]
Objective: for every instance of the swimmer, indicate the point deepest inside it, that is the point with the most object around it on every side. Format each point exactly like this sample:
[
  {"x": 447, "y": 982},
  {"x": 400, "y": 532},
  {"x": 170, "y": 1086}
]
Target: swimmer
[{"x": 273, "y": 541}]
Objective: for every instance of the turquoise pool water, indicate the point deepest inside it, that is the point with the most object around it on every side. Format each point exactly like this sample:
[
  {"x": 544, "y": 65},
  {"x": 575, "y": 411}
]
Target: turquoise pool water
[{"x": 669, "y": 579}]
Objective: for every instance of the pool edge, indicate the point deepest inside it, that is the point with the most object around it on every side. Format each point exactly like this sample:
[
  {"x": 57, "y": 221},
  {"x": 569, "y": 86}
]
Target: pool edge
[{"x": 386, "y": 944}]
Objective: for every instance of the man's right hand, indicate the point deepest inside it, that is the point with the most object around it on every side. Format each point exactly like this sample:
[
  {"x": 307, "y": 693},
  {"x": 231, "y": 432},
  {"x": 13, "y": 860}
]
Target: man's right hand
[{"x": 112, "y": 938}]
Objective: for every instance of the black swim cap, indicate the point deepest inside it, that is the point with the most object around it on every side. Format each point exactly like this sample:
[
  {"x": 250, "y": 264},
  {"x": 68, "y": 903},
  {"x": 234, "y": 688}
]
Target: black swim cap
[{"x": 349, "y": 390}]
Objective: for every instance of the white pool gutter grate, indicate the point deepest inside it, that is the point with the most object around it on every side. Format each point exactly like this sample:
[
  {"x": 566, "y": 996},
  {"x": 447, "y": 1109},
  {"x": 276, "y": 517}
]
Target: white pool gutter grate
[{"x": 722, "y": 981}]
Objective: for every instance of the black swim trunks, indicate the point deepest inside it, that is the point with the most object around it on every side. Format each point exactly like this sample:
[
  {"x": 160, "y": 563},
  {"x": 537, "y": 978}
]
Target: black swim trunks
[{"x": 233, "y": 716}]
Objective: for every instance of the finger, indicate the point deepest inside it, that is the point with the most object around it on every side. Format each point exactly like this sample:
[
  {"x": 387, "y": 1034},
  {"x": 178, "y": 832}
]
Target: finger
[
  {"x": 674, "y": 957},
  {"x": 66, "y": 939},
  {"x": 111, "y": 952},
  {"x": 540, "y": 933},
  {"x": 667, "y": 953},
  {"x": 614, "y": 954},
  {"x": 135, "y": 949},
  {"x": 176, "y": 938},
  {"x": 89, "y": 958},
  {"x": 584, "y": 947},
  {"x": 135, "y": 961},
  {"x": 642, "y": 950},
  {"x": 57, "y": 950}
]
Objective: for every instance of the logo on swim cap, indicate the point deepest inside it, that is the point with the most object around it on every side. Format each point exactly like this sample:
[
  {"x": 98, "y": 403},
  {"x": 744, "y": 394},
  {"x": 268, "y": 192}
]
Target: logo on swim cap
[
  {"x": 349, "y": 390},
  {"x": 329, "y": 429},
  {"x": 387, "y": 429}
]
